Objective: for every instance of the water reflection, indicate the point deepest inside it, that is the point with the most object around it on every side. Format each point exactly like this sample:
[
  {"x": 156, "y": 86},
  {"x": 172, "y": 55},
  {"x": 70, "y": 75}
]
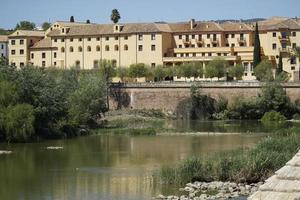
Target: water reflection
[{"x": 104, "y": 166}]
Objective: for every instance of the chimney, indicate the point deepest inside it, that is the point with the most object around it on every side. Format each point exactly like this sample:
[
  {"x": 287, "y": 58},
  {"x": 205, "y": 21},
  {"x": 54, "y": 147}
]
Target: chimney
[{"x": 192, "y": 23}]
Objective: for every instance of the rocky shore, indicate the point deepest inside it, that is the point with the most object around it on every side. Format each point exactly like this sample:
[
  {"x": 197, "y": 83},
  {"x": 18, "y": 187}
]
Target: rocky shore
[{"x": 213, "y": 191}]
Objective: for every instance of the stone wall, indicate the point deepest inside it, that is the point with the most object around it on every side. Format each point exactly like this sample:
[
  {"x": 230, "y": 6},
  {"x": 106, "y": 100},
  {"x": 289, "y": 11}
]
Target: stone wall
[{"x": 168, "y": 96}]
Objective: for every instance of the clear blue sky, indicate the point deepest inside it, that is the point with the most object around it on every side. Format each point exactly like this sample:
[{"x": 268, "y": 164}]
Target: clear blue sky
[{"x": 38, "y": 11}]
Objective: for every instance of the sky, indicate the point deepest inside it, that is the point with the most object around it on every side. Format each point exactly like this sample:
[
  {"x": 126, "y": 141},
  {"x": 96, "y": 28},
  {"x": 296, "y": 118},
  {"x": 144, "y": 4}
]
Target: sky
[{"x": 98, "y": 11}]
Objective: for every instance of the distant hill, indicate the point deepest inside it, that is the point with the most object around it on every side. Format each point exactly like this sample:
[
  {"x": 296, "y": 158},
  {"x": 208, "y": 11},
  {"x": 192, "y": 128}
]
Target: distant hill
[
  {"x": 241, "y": 20},
  {"x": 5, "y": 32}
]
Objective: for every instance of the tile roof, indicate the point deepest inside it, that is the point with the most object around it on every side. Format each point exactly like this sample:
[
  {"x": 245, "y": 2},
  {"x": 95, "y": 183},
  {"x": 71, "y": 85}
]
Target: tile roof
[
  {"x": 3, "y": 38},
  {"x": 27, "y": 33},
  {"x": 44, "y": 43},
  {"x": 199, "y": 26},
  {"x": 236, "y": 26},
  {"x": 284, "y": 185}
]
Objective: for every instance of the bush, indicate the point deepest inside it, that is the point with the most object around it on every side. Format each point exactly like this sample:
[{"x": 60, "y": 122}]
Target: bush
[
  {"x": 263, "y": 71},
  {"x": 273, "y": 117},
  {"x": 19, "y": 123}
]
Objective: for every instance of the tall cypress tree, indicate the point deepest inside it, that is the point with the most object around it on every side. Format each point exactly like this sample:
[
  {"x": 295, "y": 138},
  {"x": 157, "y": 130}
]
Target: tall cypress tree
[
  {"x": 279, "y": 68},
  {"x": 72, "y": 19},
  {"x": 257, "y": 48}
]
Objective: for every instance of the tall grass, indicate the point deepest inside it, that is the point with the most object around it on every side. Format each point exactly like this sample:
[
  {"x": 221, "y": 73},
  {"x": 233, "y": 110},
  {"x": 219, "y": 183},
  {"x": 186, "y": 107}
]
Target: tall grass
[{"x": 242, "y": 165}]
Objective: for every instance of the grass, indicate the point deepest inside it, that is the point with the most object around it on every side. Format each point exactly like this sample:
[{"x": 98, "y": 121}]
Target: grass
[{"x": 242, "y": 165}]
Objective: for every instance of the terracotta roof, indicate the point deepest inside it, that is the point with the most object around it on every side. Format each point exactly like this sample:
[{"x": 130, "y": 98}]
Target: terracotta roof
[
  {"x": 278, "y": 23},
  {"x": 285, "y": 184},
  {"x": 69, "y": 24},
  {"x": 3, "y": 38},
  {"x": 232, "y": 26},
  {"x": 42, "y": 44},
  {"x": 199, "y": 26},
  {"x": 27, "y": 33}
]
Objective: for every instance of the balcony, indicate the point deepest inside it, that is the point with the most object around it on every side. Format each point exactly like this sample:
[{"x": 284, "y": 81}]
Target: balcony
[
  {"x": 204, "y": 50},
  {"x": 186, "y": 41},
  {"x": 214, "y": 41},
  {"x": 284, "y": 50},
  {"x": 284, "y": 38},
  {"x": 241, "y": 41},
  {"x": 200, "y": 41},
  {"x": 198, "y": 58}
]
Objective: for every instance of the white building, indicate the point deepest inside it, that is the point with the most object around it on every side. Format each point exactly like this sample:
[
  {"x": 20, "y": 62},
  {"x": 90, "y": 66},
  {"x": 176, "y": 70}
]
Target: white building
[{"x": 3, "y": 46}]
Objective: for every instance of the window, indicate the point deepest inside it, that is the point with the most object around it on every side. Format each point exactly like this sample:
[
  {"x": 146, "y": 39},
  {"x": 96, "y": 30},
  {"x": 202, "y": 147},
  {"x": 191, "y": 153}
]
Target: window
[
  {"x": 179, "y": 37},
  {"x": 116, "y": 38},
  {"x": 21, "y": 41},
  {"x": 219, "y": 54},
  {"x": 294, "y": 45},
  {"x": 106, "y": 38},
  {"x": 274, "y": 34},
  {"x": 2, "y": 46},
  {"x": 54, "y": 55},
  {"x": 32, "y": 55},
  {"x": 232, "y": 35},
  {"x": 242, "y": 36},
  {"x": 77, "y": 64},
  {"x": 13, "y": 42},
  {"x": 199, "y": 45},
  {"x": 55, "y": 40},
  {"x": 80, "y": 39},
  {"x": 62, "y": 49},
  {"x": 89, "y": 39},
  {"x": 80, "y": 49},
  {"x": 54, "y": 63},
  {"x": 21, "y": 64},
  {"x": 98, "y": 48},
  {"x": 62, "y": 40},
  {"x": 194, "y": 54},
  {"x": 193, "y": 46},
  {"x": 208, "y": 45},
  {"x": 193, "y": 36},
  {"x": 106, "y": 48},
  {"x": 208, "y": 36},
  {"x": 215, "y": 45},
  {"x": 98, "y": 38},
  {"x": 71, "y": 39},
  {"x": 71, "y": 49},
  {"x": 180, "y": 46},
  {"x": 21, "y": 51},
  {"x": 232, "y": 45},
  {"x": 294, "y": 34},
  {"x": 293, "y": 60},
  {"x": 43, "y": 63},
  {"x": 153, "y": 47},
  {"x": 152, "y": 36},
  {"x": 274, "y": 46},
  {"x": 13, "y": 52},
  {"x": 293, "y": 68},
  {"x": 140, "y": 37},
  {"x": 152, "y": 64},
  {"x": 227, "y": 45},
  {"x": 116, "y": 48},
  {"x": 200, "y": 37},
  {"x": 226, "y": 35},
  {"x": 140, "y": 47},
  {"x": 125, "y": 47},
  {"x": 89, "y": 48},
  {"x": 43, "y": 55},
  {"x": 209, "y": 54},
  {"x": 96, "y": 64}
]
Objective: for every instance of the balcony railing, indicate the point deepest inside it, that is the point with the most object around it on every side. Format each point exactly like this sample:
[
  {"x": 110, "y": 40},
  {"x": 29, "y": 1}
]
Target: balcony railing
[
  {"x": 186, "y": 41},
  {"x": 285, "y": 50},
  {"x": 241, "y": 40},
  {"x": 214, "y": 41},
  {"x": 283, "y": 37},
  {"x": 200, "y": 41}
]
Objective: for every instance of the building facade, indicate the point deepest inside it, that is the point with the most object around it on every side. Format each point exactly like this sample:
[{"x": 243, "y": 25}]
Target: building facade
[
  {"x": 65, "y": 45},
  {"x": 4, "y": 46}
]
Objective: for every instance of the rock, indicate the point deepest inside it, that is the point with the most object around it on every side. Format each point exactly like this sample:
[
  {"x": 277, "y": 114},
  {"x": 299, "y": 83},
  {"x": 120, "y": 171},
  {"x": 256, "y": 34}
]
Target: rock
[
  {"x": 54, "y": 148},
  {"x": 160, "y": 197},
  {"x": 5, "y": 152}
]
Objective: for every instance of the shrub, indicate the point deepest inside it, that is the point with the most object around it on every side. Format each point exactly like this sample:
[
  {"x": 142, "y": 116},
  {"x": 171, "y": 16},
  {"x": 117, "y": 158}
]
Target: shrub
[{"x": 273, "y": 117}]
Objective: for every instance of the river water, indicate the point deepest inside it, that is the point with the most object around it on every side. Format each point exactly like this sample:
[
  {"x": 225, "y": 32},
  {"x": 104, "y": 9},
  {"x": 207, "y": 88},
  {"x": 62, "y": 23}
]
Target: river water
[{"x": 112, "y": 167}]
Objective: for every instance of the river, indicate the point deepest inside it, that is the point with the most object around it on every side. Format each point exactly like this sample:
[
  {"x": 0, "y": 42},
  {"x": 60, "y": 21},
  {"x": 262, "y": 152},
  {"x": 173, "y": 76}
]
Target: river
[{"x": 113, "y": 167}]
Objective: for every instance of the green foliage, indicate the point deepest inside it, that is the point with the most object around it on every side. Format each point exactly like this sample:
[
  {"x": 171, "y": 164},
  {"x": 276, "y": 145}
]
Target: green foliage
[
  {"x": 216, "y": 68},
  {"x": 72, "y": 19},
  {"x": 107, "y": 69},
  {"x": 236, "y": 71},
  {"x": 25, "y": 25},
  {"x": 273, "y": 117},
  {"x": 5, "y": 32},
  {"x": 159, "y": 73},
  {"x": 87, "y": 103},
  {"x": 279, "y": 68},
  {"x": 138, "y": 70},
  {"x": 115, "y": 16},
  {"x": 8, "y": 93},
  {"x": 263, "y": 71},
  {"x": 257, "y": 48},
  {"x": 46, "y": 25},
  {"x": 244, "y": 109},
  {"x": 19, "y": 123},
  {"x": 122, "y": 72}
]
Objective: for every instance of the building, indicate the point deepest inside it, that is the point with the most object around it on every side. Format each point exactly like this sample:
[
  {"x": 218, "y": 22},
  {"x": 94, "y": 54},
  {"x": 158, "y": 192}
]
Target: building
[
  {"x": 82, "y": 45},
  {"x": 4, "y": 46}
]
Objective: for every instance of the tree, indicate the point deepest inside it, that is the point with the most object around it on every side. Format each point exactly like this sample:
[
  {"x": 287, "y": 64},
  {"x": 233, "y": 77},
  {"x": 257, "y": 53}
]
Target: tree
[
  {"x": 159, "y": 73},
  {"x": 25, "y": 25},
  {"x": 122, "y": 72},
  {"x": 8, "y": 93},
  {"x": 115, "y": 16},
  {"x": 46, "y": 25},
  {"x": 236, "y": 71},
  {"x": 263, "y": 71},
  {"x": 88, "y": 21},
  {"x": 138, "y": 70},
  {"x": 279, "y": 68},
  {"x": 72, "y": 19},
  {"x": 257, "y": 48},
  {"x": 216, "y": 68}
]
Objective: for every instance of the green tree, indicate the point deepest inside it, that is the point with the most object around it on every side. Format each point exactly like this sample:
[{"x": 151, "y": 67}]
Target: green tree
[
  {"x": 87, "y": 103},
  {"x": 216, "y": 68},
  {"x": 122, "y": 72},
  {"x": 25, "y": 25},
  {"x": 257, "y": 47},
  {"x": 115, "y": 16},
  {"x": 197, "y": 69},
  {"x": 72, "y": 19},
  {"x": 19, "y": 123},
  {"x": 138, "y": 70},
  {"x": 263, "y": 71},
  {"x": 159, "y": 73},
  {"x": 236, "y": 71},
  {"x": 279, "y": 68},
  {"x": 46, "y": 25},
  {"x": 8, "y": 93}
]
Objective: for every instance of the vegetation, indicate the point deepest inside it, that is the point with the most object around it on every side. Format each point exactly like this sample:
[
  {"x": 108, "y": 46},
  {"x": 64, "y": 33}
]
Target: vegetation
[
  {"x": 236, "y": 71},
  {"x": 263, "y": 71},
  {"x": 138, "y": 70},
  {"x": 273, "y": 117},
  {"x": 72, "y": 19},
  {"x": 46, "y": 25},
  {"x": 115, "y": 16},
  {"x": 216, "y": 68},
  {"x": 242, "y": 165},
  {"x": 25, "y": 25},
  {"x": 257, "y": 48},
  {"x": 49, "y": 103}
]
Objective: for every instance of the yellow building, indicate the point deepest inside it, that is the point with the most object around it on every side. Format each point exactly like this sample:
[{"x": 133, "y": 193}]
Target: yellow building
[{"x": 82, "y": 45}]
